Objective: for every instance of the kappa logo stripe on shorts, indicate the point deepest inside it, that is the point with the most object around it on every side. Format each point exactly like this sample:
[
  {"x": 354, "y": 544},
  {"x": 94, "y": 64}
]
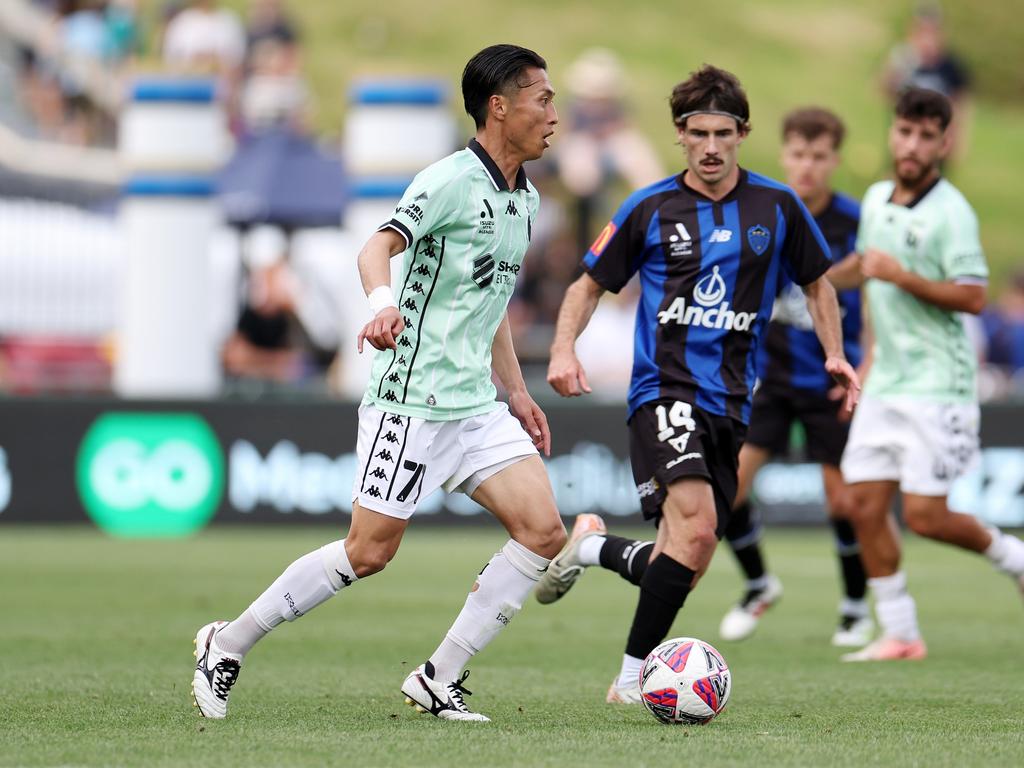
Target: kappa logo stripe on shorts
[{"x": 385, "y": 456}]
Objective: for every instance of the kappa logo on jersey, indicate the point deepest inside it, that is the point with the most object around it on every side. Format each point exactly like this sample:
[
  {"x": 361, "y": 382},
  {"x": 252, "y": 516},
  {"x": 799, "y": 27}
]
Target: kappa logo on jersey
[
  {"x": 483, "y": 270},
  {"x": 510, "y": 209},
  {"x": 680, "y": 243},
  {"x": 759, "y": 237},
  {"x": 602, "y": 239},
  {"x": 708, "y": 310},
  {"x": 720, "y": 236}
]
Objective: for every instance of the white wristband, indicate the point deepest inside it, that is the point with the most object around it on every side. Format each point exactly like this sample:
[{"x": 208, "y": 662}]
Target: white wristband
[{"x": 381, "y": 297}]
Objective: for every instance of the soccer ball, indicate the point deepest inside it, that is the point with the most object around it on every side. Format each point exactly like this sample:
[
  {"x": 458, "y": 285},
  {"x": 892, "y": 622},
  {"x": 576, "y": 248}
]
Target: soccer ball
[{"x": 685, "y": 680}]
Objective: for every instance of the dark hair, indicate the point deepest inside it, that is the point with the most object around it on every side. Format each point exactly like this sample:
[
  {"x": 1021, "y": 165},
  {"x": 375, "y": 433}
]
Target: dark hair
[
  {"x": 812, "y": 122},
  {"x": 710, "y": 88},
  {"x": 923, "y": 103},
  {"x": 495, "y": 70}
]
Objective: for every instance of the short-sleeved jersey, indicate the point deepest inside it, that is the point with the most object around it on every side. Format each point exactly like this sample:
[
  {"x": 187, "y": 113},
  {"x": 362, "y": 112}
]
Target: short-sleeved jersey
[
  {"x": 921, "y": 350},
  {"x": 466, "y": 234},
  {"x": 792, "y": 357},
  {"x": 709, "y": 273}
]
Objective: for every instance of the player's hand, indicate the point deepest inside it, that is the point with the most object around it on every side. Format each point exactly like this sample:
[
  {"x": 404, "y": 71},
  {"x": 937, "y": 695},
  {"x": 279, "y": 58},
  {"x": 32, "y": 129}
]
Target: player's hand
[
  {"x": 566, "y": 376},
  {"x": 880, "y": 265},
  {"x": 836, "y": 394},
  {"x": 382, "y": 331},
  {"x": 847, "y": 378},
  {"x": 522, "y": 406}
]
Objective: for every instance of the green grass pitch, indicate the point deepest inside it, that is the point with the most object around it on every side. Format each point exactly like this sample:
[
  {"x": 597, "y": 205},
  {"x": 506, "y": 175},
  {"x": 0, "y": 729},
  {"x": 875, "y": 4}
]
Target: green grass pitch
[{"x": 95, "y": 663}]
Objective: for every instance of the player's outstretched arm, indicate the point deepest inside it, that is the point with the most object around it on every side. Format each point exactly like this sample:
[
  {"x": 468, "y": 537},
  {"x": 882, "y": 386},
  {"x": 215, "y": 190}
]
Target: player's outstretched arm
[
  {"x": 846, "y": 273},
  {"x": 375, "y": 272},
  {"x": 824, "y": 309},
  {"x": 565, "y": 374},
  {"x": 944, "y": 294},
  {"x": 506, "y": 366}
]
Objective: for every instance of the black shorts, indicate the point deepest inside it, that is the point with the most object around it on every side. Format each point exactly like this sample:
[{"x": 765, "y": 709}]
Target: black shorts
[
  {"x": 774, "y": 411},
  {"x": 669, "y": 441}
]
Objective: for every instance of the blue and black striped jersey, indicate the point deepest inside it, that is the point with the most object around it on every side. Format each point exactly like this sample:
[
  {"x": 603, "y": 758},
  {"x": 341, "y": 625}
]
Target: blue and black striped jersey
[
  {"x": 792, "y": 357},
  {"x": 709, "y": 274}
]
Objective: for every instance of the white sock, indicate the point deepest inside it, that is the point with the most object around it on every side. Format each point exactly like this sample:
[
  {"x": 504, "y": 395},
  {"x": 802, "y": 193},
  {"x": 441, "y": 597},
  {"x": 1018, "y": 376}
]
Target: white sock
[
  {"x": 1006, "y": 552},
  {"x": 850, "y": 607},
  {"x": 629, "y": 673},
  {"x": 895, "y": 608},
  {"x": 589, "y": 552},
  {"x": 498, "y": 594},
  {"x": 306, "y": 583}
]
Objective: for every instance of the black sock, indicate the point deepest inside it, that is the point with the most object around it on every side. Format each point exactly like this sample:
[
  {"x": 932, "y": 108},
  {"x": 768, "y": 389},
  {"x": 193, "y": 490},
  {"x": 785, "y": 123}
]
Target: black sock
[
  {"x": 627, "y": 557},
  {"x": 743, "y": 535},
  {"x": 663, "y": 590},
  {"x": 855, "y": 580}
]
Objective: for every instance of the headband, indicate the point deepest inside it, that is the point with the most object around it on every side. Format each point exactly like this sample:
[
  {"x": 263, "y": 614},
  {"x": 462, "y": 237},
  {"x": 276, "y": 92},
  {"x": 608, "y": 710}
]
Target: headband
[{"x": 682, "y": 118}]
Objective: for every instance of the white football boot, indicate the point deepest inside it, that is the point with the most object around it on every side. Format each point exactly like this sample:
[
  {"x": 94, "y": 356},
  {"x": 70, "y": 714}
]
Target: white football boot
[
  {"x": 443, "y": 701},
  {"x": 741, "y": 621},
  {"x": 215, "y": 673},
  {"x": 629, "y": 694},
  {"x": 853, "y": 631},
  {"x": 565, "y": 569}
]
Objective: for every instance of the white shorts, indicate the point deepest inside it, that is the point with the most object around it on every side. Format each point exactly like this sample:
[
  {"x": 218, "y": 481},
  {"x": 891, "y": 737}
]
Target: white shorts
[
  {"x": 924, "y": 445},
  {"x": 402, "y": 459}
]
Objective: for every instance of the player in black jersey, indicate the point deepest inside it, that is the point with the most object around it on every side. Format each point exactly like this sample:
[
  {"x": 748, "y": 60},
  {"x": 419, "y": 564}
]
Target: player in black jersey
[
  {"x": 794, "y": 387},
  {"x": 713, "y": 246}
]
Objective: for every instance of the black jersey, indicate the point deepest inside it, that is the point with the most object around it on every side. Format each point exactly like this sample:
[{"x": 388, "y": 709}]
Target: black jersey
[
  {"x": 792, "y": 357},
  {"x": 709, "y": 273}
]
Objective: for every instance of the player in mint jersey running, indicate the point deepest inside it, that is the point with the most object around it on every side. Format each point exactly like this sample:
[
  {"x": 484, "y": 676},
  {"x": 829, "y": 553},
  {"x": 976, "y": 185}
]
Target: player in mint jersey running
[
  {"x": 429, "y": 418},
  {"x": 916, "y": 429}
]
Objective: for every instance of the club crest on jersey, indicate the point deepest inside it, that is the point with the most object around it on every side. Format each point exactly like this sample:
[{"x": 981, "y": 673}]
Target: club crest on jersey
[
  {"x": 708, "y": 309},
  {"x": 483, "y": 270},
  {"x": 759, "y": 238}
]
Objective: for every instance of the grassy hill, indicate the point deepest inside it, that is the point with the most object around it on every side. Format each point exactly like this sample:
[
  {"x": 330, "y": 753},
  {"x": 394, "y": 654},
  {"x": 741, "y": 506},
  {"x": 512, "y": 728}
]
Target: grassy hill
[{"x": 786, "y": 52}]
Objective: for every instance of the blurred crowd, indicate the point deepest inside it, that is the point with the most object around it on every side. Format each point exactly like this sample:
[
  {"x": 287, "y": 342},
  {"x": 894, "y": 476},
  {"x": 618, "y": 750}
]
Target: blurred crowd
[
  {"x": 256, "y": 61},
  {"x": 279, "y": 339}
]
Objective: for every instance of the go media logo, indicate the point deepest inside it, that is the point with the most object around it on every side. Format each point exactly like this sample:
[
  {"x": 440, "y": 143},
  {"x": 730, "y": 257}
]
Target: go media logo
[
  {"x": 150, "y": 474},
  {"x": 708, "y": 309}
]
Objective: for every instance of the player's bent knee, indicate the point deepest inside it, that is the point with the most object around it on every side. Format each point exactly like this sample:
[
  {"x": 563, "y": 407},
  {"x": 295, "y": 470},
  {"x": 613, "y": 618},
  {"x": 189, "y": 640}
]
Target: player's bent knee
[
  {"x": 923, "y": 522},
  {"x": 367, "y": 560},
  {"x": 547, "y": 541}
]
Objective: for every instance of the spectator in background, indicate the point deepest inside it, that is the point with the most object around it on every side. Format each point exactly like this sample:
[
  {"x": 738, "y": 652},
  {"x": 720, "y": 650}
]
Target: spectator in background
[
  {"x": 274, "y": 93},
  {"x": 1004, "y": 333},
  {"x": 923, "y": 60},
  {"x": 601, "y": 143},
  {"x": 268, "y": 21},
  {"x": 271, "y": 341},
  {"x": 206, "y": 39}
]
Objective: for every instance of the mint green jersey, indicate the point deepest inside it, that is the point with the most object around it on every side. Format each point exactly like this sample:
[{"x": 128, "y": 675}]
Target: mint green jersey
[
  {"x": 921, "y": 350},
  {"x": 466, "y": 234}
]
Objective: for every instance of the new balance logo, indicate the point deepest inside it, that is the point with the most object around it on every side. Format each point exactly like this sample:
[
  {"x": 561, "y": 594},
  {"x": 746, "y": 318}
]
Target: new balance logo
[
  {"x": 384, "y": 455},
  {"x": 374, "y": 492},
  {"x": 379, "y": 473},
  {"x": 391, "y": 437},
  {"x": 511, "y": 209},
  {"x": 720, "y": 236}
]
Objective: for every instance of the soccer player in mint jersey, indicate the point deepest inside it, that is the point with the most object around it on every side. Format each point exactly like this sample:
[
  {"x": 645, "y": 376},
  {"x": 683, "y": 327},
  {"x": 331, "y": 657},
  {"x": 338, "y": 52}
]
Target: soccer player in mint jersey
[
  {"x": 794, "y": 387},
  {"x": 429, "y": 418},
  {"x": 916, "y": 430},
  {"x": 713, "y": 246}
]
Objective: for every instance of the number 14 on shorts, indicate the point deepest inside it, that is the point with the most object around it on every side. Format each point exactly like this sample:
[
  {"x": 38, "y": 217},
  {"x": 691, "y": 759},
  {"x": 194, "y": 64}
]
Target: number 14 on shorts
[{"x": 678, "y": 416}]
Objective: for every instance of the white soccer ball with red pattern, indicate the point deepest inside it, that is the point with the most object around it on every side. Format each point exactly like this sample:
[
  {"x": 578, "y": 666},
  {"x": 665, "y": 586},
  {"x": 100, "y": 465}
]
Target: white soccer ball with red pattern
[{"x": 685, "y": 680}]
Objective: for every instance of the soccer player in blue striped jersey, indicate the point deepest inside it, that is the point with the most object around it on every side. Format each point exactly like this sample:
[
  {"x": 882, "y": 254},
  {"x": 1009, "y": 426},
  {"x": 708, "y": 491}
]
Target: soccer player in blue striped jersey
[
  {"x": 713, "y": 246},
  {"x": 795, "y": 388}
]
